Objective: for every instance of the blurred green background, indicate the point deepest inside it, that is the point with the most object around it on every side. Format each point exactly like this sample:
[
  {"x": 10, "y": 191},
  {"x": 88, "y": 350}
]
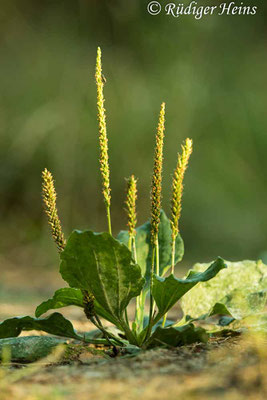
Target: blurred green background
[{"x": 210, "y": 72}]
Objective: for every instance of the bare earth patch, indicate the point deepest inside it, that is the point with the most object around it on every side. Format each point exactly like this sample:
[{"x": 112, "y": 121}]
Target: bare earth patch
[{"x": 232, "y": 368}]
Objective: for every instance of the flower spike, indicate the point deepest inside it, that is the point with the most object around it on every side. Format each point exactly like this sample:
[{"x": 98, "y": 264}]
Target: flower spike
[
  {"x": 157, "y": 177},
  {"x": 103, "y": 140},
  {"x": 49, "y": 199},
  {"x": 130, "y": 202},
  {"x": 177, "y": 191}
]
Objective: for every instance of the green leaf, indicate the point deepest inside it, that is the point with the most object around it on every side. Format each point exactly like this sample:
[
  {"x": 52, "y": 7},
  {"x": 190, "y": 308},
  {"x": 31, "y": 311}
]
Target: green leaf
[
  {"x": 144, "y": 248},
  {"x": 103, "y": 266},
  {"x": 167, "y": 291},
  {"x": 241, "y": 288},
  {"x": 226, "y": 318},
  {"x": 62, "y": 298},
  {"x": 177, "y": 336},
  {"x": 70, "y": 297},
  {"x": 30, "y": 348},
  {"x": 55, "y": 324},
  {"x": 219, "y": 308}
]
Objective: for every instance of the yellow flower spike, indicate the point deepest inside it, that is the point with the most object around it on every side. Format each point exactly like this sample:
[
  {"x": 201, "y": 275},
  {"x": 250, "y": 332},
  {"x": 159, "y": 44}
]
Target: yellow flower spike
[
  {"x": 177, "y": 191},
  {"x": 155, "y": 208},
  {"x": 103, "y": 140},
  {"x": 157, "y": 177},
  {"x": 131, "y": 197},
  {"x": 50, "y": 207},
  {"x": 49, "y": 199},
  {"x": 130, "y": 202}
]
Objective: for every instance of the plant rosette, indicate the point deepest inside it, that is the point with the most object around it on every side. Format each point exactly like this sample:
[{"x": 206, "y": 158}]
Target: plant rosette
[{"x": 105, "y": 273}]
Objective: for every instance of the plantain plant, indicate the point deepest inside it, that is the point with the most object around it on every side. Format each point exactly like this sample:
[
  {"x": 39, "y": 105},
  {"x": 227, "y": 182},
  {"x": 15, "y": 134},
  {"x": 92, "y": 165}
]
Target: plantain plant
[{"x": 105, "y": 273}]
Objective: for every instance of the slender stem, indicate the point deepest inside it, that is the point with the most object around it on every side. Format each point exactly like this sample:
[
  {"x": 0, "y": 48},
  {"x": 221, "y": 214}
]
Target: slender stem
[
  {"x": 96, "y": 321},
  {"x": 99, "y": 325},
  {"x": 139, "y": 312},
  {"x": 150, "y": 326},
  {"x": 134, "y": 250},
  {"x": 154, "y": 269},
  {"x": 109, "y": 220},
  {"x": 142, "y": 302},
  {"x": 151, "y": 282},
  {"x": 173, "y": 263},
  {"x": 173, "y": 254},
  {"x": 130, "y": 243},
  {"x": 151, "y": 305},
  {"x": 157, "y": 256},
  {"x": 130, "y": 248},
  {"x": 139, "y": 308}
]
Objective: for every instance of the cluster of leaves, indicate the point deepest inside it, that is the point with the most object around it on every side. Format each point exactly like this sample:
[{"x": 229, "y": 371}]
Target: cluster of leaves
[
  {"x": 105, "y": 274},
  {"x": 103, "y": 266}
]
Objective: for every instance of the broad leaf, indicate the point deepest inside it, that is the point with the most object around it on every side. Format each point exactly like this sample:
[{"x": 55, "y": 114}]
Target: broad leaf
[
  {"x": 30, "y": 348},
  {"x": 55, "y": 324},
  {"x": 62, "y": 298},
  {"x": 103, "y": 266},
  {"x": 144, "y": 248},
  {"x": 167, "y": 291},
  {"x": 69, "y": 297},
  {"x": 241, "y": 288},
  {"x": 178, "y": 336}
]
